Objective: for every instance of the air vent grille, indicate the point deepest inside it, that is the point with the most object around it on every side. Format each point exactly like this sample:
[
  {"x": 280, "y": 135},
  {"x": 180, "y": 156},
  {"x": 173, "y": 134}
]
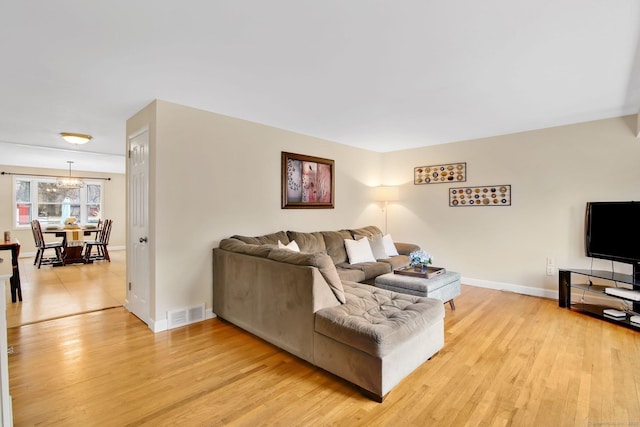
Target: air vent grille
[{"x": 185, "y": 316}]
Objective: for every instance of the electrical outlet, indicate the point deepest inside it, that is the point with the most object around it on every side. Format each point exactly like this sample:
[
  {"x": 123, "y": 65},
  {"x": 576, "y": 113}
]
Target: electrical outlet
[{"x": 550, "y": 271}]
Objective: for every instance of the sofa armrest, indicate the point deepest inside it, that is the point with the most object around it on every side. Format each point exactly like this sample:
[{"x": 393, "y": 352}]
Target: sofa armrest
[
  {"x": 235, "y": 245},
  {"x": 406, "y": 248},
  {"x": 274, "y": 300}
]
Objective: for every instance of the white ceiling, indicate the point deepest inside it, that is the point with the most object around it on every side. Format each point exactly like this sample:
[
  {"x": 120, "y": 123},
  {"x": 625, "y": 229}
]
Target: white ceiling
[{"x": 383, "y": 75}]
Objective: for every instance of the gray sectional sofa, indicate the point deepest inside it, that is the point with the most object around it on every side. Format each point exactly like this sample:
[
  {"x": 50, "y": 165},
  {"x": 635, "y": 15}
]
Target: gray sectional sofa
[{"x": 311, "y": 303}]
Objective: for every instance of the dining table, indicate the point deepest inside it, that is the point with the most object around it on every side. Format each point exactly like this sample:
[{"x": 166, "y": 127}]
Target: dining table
[
  {"x": 72, "y": 241},
  {"x": 13, "y": 245}
]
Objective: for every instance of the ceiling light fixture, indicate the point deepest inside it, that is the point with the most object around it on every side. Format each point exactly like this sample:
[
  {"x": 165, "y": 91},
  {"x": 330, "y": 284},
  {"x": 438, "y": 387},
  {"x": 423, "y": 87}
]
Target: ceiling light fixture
[
  {"x": 69, "y": 182},
  {"x": 76, "y": 138}
]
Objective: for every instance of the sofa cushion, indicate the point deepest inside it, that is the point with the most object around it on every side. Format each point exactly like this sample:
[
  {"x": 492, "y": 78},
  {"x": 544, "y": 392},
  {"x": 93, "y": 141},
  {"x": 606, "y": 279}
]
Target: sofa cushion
[
  {"x": 267, "y": 239},
  {"x": 319, "y": 260},
  {"x": 350, "y": 274},
  {"x": 377, "y": 321},
  {"x": 334, "y": 242},
  {"x": 308, "y": 242},
  {"x": 397, "y": 261},
  {"x": 370, "y": 269}
]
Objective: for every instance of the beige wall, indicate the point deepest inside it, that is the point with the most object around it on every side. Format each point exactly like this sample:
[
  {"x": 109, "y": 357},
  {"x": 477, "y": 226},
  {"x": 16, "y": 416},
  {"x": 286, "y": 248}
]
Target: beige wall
[
  {"x": 553, "y": 173},
  {"x": 114, "y": 204},
  {"x": 214, "y": 176}
]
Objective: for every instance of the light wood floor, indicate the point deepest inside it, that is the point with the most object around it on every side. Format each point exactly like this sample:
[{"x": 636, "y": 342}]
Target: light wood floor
[
  {"x": 52, "y": 292},
  {"x": 508, "y": 360}
]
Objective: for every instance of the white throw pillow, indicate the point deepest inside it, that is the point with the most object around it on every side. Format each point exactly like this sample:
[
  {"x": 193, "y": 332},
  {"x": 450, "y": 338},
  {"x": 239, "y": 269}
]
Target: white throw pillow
[
  {"x": 377, "y": 247},
  {"x": 292, "y": 246},
  {"x": 359, "y": 251},
  {"x": 389, "y": 247}
]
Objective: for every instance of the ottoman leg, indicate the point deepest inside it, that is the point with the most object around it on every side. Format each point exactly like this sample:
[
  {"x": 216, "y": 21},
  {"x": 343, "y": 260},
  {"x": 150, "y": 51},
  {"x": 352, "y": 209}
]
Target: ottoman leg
[{"x": 453, "y": 306}]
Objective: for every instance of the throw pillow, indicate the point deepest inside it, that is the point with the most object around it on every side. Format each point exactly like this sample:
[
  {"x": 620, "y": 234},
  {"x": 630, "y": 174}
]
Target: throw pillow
[
  {"x": 292, "y": 246},
  {"x": 359, "y": 251},
  {"x": 377, "y": 247},
  {"x": 389, "y": 247}
]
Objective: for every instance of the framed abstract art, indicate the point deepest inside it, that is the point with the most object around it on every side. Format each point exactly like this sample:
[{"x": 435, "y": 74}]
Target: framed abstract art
[{"x": 307, "y": 182}]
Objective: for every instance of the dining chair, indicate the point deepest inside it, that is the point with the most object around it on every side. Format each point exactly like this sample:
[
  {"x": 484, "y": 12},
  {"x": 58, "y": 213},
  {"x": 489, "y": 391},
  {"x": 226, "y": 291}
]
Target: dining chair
[
  {"x": 42, "y": 246},
  {"x": 89, "y": 232},
  {"x": 100, "y": 243}
]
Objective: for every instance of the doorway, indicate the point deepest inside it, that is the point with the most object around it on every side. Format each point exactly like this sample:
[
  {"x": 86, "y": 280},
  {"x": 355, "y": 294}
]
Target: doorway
[{"x": 55, "y": 292}]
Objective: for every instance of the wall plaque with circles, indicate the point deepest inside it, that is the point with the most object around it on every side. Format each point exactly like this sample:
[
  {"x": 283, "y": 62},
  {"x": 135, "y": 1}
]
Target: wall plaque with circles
[
  {"x": 489, "y": 195},
  {"x": 439, "y": 174}
]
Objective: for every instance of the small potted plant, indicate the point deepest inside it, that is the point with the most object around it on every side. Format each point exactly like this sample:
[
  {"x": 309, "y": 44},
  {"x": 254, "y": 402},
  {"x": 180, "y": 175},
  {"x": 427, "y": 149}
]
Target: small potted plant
[{"x": 419, "y": 260}]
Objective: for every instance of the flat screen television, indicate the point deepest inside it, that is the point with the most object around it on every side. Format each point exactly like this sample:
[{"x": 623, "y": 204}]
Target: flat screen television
[{"x": 612, "y": 231}]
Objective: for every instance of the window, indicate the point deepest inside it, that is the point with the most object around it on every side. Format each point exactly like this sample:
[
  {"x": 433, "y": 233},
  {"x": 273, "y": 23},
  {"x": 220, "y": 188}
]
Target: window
[{"x": 42, "y": 199}]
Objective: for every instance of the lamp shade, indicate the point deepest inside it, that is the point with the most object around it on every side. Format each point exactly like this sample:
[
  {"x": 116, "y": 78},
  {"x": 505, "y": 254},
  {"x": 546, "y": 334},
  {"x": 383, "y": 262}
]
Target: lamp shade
[{"x": 385, "y": 193}]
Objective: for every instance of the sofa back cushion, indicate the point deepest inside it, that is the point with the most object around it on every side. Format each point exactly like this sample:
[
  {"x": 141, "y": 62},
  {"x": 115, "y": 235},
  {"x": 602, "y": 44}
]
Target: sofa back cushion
[
  {"x": 369, "y": 231},
  {"x": 334, "y": 242},
  {"x": 267, "y": 239},
  {"x": 319, "y": 260},
  {"x": 308, "y": 242}
]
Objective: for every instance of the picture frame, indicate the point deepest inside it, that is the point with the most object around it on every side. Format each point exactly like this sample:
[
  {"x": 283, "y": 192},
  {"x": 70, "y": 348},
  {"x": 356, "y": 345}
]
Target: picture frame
[
  {"x": 308, "y": 182},
  {"x": 440, "y": 174},
  {"x": 485, "y": 195}
]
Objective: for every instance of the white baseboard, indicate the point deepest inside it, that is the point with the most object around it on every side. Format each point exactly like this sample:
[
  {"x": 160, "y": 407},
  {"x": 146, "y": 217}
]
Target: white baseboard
[
  {"x": 591, "y": 298},
  {"x": 163, "y": 324},
  {"x": 510, "y": 287}
]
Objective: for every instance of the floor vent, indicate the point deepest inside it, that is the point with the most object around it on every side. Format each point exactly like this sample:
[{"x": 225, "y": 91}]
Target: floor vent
[
  {"x": 185, "y": 316},
  {"x": 196, "y": 314}
]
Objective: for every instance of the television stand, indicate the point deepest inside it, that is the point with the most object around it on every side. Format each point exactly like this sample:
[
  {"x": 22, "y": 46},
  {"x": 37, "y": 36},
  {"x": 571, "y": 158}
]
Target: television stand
[{"x": 565, "y": 284}]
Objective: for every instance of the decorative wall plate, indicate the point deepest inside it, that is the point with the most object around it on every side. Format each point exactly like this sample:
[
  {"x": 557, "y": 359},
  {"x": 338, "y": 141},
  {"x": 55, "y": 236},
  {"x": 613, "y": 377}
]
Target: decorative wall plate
[
  {"x": 439, "y": 174},
  {"x": 488, "y": 195}
]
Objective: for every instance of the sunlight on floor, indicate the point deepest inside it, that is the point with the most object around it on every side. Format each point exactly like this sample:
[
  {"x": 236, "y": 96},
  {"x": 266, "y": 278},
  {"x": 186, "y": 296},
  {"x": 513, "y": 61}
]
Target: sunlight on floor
[{"x": 52, "y": 292}]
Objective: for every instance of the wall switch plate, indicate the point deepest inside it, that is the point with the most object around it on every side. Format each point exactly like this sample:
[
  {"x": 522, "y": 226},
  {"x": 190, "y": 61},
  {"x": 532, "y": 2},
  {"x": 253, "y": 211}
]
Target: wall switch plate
[
  {"x": 551, "y": 261},
  {"x": 550, "y": 271}
]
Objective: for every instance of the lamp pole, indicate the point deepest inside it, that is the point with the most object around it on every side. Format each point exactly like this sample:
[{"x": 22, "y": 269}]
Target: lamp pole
[{"x": 386, "y": 206}]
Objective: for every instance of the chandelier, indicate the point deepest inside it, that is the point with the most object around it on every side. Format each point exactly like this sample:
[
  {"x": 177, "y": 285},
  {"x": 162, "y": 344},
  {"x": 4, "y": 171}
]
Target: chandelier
[{"x": 69, "y": 182}]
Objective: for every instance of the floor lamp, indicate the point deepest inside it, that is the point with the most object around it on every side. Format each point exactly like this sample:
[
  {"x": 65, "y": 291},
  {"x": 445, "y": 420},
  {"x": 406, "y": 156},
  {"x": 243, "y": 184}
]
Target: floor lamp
[{"x": 385, "y": 194}]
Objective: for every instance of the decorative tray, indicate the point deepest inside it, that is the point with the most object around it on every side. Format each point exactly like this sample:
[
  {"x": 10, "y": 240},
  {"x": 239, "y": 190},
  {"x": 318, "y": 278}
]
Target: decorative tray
[{"x": 425, "y": 273}]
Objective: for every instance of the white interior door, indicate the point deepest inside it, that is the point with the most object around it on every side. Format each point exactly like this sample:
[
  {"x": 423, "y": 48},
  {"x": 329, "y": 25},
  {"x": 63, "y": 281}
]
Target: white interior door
[{"x": 138, "y": 254}]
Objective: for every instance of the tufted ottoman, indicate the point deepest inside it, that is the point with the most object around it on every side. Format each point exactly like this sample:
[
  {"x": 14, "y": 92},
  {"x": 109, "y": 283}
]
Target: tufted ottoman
[
  {"x": 377, "y": 337},
  {"x": 444, "y": 287}
]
